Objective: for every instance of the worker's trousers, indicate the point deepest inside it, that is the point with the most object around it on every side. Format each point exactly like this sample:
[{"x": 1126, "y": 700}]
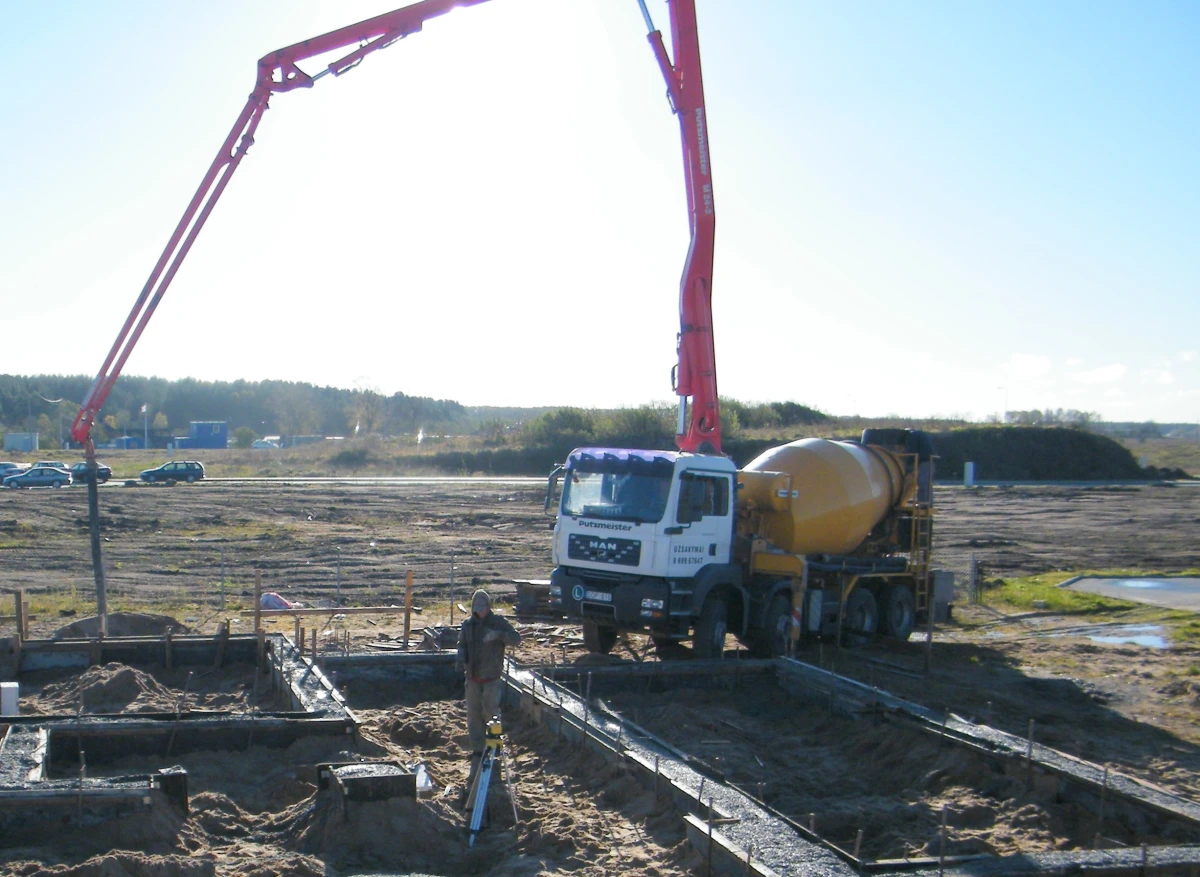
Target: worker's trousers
[{"x": 483, "y": 702}]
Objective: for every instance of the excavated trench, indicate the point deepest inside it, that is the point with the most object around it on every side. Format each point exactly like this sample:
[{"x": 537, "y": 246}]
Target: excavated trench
[{"x": 257, "y": 760}]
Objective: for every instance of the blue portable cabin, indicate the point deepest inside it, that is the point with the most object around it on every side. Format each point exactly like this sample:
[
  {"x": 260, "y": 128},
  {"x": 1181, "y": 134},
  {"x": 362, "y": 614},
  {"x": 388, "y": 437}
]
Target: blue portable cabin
[{"x": 208, "y": 434}]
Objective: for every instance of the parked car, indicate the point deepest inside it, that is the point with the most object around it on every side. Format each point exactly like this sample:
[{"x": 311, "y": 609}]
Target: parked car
[
  {"x": 53, "y": 464},
  {"x": 264, "y": 443},
  {"x": 181, "y": 470},
  {"x": 39, "y": 476},
  {"x": 79, "y": 473},
  {"x": 7, "y": 469}
]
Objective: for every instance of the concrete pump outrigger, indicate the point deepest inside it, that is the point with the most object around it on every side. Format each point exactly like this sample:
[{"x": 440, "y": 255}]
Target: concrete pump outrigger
[{"x": 279, "y": 72}]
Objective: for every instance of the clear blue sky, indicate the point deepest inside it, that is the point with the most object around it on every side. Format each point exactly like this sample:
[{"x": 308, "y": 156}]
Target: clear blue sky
[{"x": 923, "y": 208}]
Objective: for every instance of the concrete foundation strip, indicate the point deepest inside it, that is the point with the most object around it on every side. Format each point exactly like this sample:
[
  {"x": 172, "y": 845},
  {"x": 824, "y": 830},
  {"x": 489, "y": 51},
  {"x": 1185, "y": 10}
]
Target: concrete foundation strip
[
  {"x": 755, "y": 837},
  {"x": 999, "y": 744}
]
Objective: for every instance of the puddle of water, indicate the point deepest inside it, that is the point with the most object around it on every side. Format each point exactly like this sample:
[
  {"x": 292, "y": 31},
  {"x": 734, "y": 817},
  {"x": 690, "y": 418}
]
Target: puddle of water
[
  {"x": 1150, "y": 641},
  {"x": 1175, "y": 584},
  {"x": 1148, "y": 635}
]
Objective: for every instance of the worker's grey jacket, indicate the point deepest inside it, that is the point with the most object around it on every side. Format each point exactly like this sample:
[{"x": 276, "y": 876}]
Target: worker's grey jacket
[{"x": 485, "y": 660}]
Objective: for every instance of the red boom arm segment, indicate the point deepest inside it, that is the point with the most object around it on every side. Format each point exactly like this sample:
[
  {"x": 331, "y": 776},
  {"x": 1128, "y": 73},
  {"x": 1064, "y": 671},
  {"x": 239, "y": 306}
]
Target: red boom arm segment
[
  {"x": 699, "y": 429},
  {"x": 276, "y": 72},
  {"x": 696, "y": 376}
]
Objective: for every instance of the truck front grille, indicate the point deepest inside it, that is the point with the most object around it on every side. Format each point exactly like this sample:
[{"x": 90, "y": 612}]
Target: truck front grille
[{"x": 600, "y": 549}]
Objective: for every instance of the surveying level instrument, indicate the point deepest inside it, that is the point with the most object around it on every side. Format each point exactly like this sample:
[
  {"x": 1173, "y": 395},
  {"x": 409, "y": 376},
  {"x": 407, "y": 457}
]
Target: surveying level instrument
[{"x": 477, "y": 800}]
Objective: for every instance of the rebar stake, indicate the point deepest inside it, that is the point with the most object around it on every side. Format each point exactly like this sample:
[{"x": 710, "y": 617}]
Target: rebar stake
[
  {"x": 82, "y": 779},
  {"x": 942, "y": 844},
  {"x": 1029, "y": 753},
  {"x": 1100, "y": 818},
  {"x": 708, "y": 853}
]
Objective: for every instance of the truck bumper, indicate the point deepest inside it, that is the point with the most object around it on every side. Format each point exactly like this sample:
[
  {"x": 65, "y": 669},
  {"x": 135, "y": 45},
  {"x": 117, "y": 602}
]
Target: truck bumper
[{"x": 640, "y": 604}]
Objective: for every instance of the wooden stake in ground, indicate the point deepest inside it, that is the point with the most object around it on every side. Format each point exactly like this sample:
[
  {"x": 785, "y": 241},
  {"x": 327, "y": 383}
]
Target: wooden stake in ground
[
  {"x": 407, "y": 605},
  {"x": 257, "y": 600},
  {"x": 22, "y": 618}
]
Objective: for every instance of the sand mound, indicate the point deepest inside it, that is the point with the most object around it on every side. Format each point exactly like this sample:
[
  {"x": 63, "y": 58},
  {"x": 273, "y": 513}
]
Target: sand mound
[
  {"x": 124, "y": 864},
  {"x": 113, "y": 688},
  {"x": 121, "y": 624}
]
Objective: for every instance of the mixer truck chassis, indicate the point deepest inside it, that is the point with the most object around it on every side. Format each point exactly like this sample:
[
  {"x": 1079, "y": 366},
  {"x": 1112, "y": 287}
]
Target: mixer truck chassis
[{"x": 812, "y": 539}]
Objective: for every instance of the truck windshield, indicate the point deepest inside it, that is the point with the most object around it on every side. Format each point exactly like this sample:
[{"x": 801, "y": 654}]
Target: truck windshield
[{"x": 617, "y": 491}]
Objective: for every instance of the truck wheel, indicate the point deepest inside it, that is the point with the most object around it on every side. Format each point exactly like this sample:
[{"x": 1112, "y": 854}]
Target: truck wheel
[
  {"x": 861, "y": 619},
  {"x": 598, "y": 640},
  {"x": 711, "y": 627},
  {"x": 899, "y": 612},
  {"x": 777, "y": 627}
]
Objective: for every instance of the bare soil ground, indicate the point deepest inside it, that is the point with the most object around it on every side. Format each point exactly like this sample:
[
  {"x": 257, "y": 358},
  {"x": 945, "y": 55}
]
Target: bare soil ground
[{"x": 1131, "y": 707}]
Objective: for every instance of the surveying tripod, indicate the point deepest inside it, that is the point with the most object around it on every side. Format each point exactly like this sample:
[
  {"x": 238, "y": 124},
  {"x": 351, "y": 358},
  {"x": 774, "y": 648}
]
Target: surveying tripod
[{"x": 477, "y": 799}]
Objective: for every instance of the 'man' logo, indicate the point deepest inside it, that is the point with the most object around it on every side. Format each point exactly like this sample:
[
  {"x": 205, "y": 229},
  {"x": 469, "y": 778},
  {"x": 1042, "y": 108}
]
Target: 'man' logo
[{"x": 602, "y": 546}]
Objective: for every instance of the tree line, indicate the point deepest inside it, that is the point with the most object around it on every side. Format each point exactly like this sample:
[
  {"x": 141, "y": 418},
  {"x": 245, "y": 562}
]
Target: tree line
[{"x": 48, "y": 404}]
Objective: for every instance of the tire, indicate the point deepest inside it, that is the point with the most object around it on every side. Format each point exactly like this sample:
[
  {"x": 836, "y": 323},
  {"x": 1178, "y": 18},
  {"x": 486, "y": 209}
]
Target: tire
[
  {"x": 191, "y": 479},
  {"x": 598, "y": 640},
  {"x": 12, "y": 485},
  {"x": 899, "y": 615},
  {"x": 708, "y": 643},
  {"x": 774, "y": 638},
  {"x": 57, "y": 484},
  {"x": 860, "y": 621},
  {"x": 170, "y": 482}
]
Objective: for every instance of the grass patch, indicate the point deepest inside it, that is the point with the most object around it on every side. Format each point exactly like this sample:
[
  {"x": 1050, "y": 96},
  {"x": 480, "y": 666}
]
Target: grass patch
[
  {"x": 1023, "y": 592},
  {"x": 1180, "y": 626},
  {"x": 1188, "y": 632}
]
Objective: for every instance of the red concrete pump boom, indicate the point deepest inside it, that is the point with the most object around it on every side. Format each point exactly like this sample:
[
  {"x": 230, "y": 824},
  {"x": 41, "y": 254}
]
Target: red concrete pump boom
[
  {"x": 699, "y": 428},
  {"x": 695, "y": 376}
]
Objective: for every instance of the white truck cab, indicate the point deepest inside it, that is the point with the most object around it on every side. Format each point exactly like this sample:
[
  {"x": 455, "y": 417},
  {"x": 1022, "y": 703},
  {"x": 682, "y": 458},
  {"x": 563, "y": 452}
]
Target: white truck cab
[{"x": 640, "y": 538}]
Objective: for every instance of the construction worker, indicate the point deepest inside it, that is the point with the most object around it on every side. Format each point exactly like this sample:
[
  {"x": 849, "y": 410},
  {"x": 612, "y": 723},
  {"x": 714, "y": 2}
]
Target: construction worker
[{"x": 481, "y": 642}]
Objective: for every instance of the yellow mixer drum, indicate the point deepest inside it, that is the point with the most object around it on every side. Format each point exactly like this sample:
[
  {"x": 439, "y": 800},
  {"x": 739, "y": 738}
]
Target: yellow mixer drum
[{"x": 819, "y": 496}]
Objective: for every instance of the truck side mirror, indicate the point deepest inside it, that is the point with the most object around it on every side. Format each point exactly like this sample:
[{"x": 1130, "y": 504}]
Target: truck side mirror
[{"x": 555, "y": 474}]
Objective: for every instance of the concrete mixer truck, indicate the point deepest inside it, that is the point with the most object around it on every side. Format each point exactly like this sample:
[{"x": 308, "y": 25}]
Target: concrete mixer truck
[
  {"x": 812, "y": 538},
  {"x": 816, "y": 537}
]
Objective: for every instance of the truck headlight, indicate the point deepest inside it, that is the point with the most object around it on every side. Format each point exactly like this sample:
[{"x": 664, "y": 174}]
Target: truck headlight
[
  {"x": 556, "y": 590},
  {"x": 652, "y": 604}
]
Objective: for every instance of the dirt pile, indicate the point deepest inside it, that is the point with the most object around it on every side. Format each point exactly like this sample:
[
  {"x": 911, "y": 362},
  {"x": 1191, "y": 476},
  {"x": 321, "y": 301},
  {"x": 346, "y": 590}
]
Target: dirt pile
[
  {"x": 121, "y": 624},
  {"x": 113, "y": 688},
  {"x": 123, "y": 865},
  {"x": 1028, "y": 453}
]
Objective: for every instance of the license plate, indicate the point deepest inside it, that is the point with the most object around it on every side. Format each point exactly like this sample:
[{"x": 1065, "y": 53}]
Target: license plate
[{"x": 598, "y": 596}]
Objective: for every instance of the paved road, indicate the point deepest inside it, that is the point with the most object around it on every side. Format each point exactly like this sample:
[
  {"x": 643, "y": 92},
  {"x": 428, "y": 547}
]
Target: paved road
[{"x": 1174, "y": 593}]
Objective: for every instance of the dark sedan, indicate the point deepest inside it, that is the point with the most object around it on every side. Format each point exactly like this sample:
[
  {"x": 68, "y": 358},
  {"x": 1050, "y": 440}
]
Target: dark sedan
[
  {"x": 39, "y": 476},
  {"x": 79, "y": 473},
  {"x": 182, "y": 470}
]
